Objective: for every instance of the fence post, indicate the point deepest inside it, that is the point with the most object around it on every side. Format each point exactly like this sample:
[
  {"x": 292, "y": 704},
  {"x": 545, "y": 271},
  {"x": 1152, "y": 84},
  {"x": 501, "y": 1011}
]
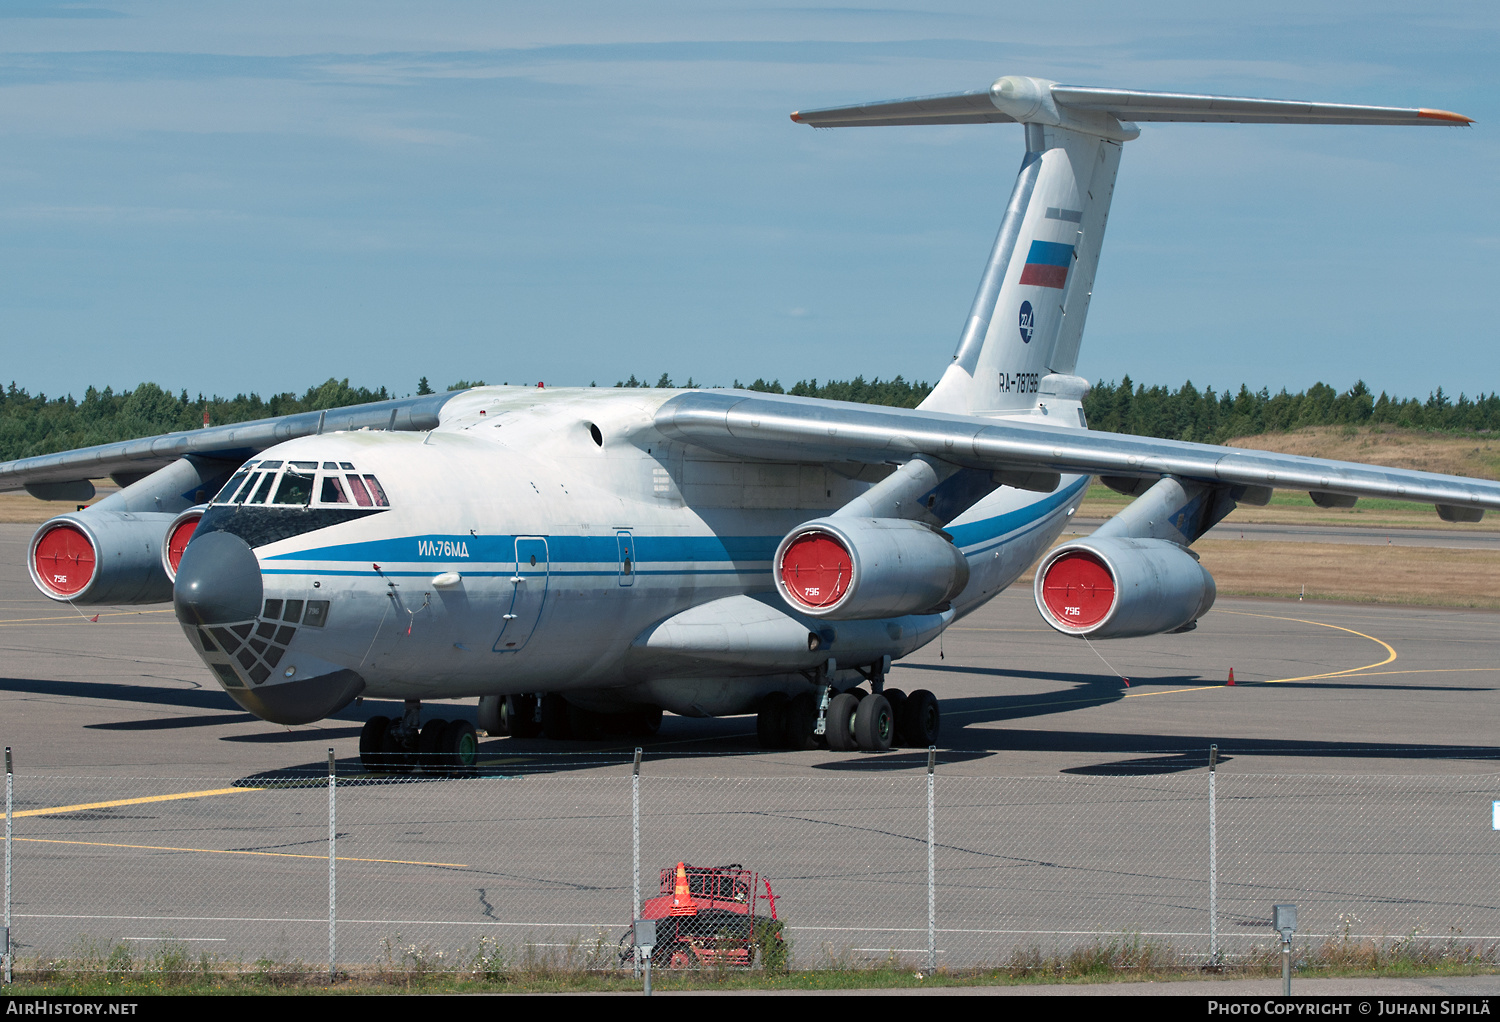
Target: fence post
[
  {"x": 635, "y": 846},
  {"x": 9, "y": 793},
  {"x": 1213, "y": 858},
  {"x": 332, "y": 858},
  {"x": 931, "y": 865}
]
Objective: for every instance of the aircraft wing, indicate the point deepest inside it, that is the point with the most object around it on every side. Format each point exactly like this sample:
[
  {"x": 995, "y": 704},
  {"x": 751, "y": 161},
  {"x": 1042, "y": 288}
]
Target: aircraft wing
[
  {"x": 43, "y": 474},
  {"x": 777, "y": 427}
]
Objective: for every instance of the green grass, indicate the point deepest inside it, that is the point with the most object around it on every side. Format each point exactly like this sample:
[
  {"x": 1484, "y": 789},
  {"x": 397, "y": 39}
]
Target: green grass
[{"x": 111, "y": 968}]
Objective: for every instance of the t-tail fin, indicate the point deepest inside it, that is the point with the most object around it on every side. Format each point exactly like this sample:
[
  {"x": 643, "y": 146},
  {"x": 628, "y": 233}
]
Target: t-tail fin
[{"x": 1027, "y": 318}]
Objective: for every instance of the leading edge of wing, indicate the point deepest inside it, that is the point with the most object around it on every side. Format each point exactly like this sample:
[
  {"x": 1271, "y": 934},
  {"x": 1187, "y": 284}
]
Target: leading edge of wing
[
  {"x": 240, "y": 439},
  {"x": 773, "y": 427}
]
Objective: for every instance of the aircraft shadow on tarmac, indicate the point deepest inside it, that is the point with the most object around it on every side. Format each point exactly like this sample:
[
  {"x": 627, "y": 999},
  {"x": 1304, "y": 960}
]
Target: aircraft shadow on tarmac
[{"x": 730, "y": 738}]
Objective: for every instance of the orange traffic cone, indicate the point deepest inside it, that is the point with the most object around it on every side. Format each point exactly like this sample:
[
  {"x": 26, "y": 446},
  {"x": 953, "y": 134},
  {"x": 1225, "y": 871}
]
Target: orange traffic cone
[
  {"x": 682, "y": 898},
  {"x": 1231, "y": 676}
]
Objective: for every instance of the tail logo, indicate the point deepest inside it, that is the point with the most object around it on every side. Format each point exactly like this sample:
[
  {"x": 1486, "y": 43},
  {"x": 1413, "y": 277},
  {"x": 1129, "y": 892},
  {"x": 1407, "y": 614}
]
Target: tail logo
[
  {"x": 1047, "y": 264},
  {"x": 1027, "y": 324}
]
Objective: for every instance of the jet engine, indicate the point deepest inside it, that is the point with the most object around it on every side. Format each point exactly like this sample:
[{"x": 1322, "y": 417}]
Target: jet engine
[
  {"x": 179, "y": 531},
  {"x": 99, "y": 556},
  {"x": 125, "y": 548},
  {"x": 1118, "y": 588},
  {"x": 848, "y": 568}
]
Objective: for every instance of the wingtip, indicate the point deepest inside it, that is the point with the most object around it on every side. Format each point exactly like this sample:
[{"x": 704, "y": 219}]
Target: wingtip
[
  {"x": 797, "y": 116},
  {"x": 1445, "y": 115}
]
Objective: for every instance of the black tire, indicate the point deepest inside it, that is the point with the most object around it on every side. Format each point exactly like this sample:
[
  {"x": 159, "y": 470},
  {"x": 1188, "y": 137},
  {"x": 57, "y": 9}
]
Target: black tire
[
  {"x": 644, "y": 721},
  {"x": 841, "y": 711},
  {"x": 770, "y": 722},
  {"x": 430, "y": 745},
  {"x": 492, "y": 715},
  {"x": 520, "y": 716},
  {"x": 920, "y": 720},
  {"x": 555, "y": 723},
  {"x": 897, "y": 699},
  {"x": 460, "y": 748},
  {"x": 800, "y": 717},
  {"x": 585, "y": 725},
  {"x": 874, "y": 725},
  {"x": 393, "y": 753},
  {"x": 371, "y": 741}
]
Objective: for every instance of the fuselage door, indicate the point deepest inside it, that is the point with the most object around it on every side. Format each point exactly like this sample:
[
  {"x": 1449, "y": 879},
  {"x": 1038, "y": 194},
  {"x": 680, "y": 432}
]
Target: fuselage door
[
  {"x": 529, "y": 585},
  {"x": 627, "y": 558}
]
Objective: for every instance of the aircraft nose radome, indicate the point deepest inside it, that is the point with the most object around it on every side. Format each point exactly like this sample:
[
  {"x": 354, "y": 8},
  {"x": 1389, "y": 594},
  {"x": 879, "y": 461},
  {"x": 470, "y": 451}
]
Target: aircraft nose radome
[{"x": 218, "y": 581}]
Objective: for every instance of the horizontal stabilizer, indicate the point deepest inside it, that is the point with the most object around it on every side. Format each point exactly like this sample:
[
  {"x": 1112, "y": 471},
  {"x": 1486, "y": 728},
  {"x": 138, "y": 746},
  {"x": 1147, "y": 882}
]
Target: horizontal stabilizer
[
  {"x": 1036, "y": 100},
  {"x": 1129, "y": 105},
  {"x": 952, "y": 108}
]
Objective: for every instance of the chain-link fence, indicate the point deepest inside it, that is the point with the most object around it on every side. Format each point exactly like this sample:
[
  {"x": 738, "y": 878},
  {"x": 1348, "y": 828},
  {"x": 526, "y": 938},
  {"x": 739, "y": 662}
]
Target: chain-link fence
[{"x": 435, "y": 872}]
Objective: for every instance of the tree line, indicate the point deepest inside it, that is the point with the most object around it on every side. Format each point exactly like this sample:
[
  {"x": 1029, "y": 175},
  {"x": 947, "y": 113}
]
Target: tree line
[{"x": 36, "y": 424}]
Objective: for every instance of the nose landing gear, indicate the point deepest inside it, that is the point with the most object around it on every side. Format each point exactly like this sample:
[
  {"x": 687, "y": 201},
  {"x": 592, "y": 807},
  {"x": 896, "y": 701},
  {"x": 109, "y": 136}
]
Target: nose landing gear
[{"x": 398, "y": 746}]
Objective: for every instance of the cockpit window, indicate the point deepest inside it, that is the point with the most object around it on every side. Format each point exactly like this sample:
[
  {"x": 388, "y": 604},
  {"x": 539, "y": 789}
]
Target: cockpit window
[
  {"x": 361, "y": 495},
  {"x": 295, "y": 488},
  {"x": 377, "y": 492},
  {"x": 333, "y": 491},
  {"x": 227, "y": 493},
  {"x": 259, "y": 496}
]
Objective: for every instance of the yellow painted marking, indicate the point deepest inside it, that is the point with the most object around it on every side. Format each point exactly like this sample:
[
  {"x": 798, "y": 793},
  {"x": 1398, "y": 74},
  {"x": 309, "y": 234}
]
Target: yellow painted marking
[
  {"x": 84, "y": 618},
  {"x": 229, "y": 851},
  {"x": 1350, "y": 672},
  {"x": 132, "y": 801},
  {"x": 1172, "y": 691},
  {"x": 1390, "y": 650}
]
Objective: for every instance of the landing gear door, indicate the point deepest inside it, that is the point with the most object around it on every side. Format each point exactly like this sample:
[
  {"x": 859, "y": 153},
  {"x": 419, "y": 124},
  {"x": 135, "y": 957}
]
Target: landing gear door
[
  {"x": 529, "y": 585},
  {"x": 627, "y": 558}
]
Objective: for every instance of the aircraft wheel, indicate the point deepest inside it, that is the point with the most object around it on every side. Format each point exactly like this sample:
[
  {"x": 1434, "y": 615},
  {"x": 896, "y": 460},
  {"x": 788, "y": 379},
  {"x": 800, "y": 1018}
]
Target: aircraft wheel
[
  {"x": 555, "y": 723},
  {"x": 460, "y": 745},
  {"x": 770, "y": 722},
  {"x": 492, "y": 715},
  {"x": 897, "y": 699},
  {"x": 371, "y": 740},
  {"x": 393, "y": 754},
  {"x": 874, "y": 727},
  {"x": 585, "y": 725},
  {"x": 430, "y": 745},
  {"x": 800, "y": 716},
  {"x": 920, "y": 719},
  {"x": 643, "y": 721},
  {"x": 520, "y": 716},
  {"x": 841, "y": 711}
]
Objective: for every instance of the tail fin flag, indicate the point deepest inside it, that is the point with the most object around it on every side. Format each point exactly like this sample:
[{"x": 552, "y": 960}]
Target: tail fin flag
[{"x": 1026, "y": 323}]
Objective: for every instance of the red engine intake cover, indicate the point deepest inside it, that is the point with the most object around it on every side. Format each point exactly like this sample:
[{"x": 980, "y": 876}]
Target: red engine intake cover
[
  {"x": 178, "y": 541},
  {"x": 816, "y": 569},
  {"x": 1078, "y": 589},
  {"x": 65, "y": 560}
]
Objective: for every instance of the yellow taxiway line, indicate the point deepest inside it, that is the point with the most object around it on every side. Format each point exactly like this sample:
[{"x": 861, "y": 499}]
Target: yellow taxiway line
[
  {"x": 131, "y": 801},
  {"x": 86, "y": 618}
]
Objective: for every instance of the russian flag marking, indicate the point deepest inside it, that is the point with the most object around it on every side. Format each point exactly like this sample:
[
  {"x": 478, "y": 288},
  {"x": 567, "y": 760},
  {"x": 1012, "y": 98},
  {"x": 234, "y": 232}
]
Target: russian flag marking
[{"x": 1047, "y": 264}]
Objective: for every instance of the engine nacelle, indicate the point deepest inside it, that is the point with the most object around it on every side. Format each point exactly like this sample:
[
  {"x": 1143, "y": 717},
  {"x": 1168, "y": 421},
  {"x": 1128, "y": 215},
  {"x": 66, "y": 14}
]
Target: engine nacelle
[
  {"x": 1118, "y": 588},
  {"x": 847, "y": 568},
  {"x": 96, "y": 556},
  {"x": 174, "y": 542}
]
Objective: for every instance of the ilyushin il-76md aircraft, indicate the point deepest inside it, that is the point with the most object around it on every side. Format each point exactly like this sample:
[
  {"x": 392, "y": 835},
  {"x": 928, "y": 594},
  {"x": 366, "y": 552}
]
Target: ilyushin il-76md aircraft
[{"x": 580, "y": 560}]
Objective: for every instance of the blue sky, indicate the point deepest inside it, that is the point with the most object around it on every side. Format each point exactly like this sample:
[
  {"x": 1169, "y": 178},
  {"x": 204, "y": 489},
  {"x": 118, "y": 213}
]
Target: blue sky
[{"x": 236, "y": 197}]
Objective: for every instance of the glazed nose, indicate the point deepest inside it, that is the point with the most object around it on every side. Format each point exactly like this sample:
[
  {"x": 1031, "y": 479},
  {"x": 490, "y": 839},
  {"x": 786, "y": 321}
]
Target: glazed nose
[{"x": 218, "y": 581}]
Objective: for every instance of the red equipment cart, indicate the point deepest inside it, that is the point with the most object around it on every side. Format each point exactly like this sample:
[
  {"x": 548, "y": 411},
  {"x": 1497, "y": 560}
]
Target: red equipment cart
[{"x": 708, "y": 916}]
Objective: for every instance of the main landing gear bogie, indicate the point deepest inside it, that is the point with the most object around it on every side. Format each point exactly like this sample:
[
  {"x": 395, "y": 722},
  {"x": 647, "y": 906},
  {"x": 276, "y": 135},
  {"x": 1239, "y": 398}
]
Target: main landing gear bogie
[
  {"x": 855, "y": 720},
  {"x": 398, "y": 746}
]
